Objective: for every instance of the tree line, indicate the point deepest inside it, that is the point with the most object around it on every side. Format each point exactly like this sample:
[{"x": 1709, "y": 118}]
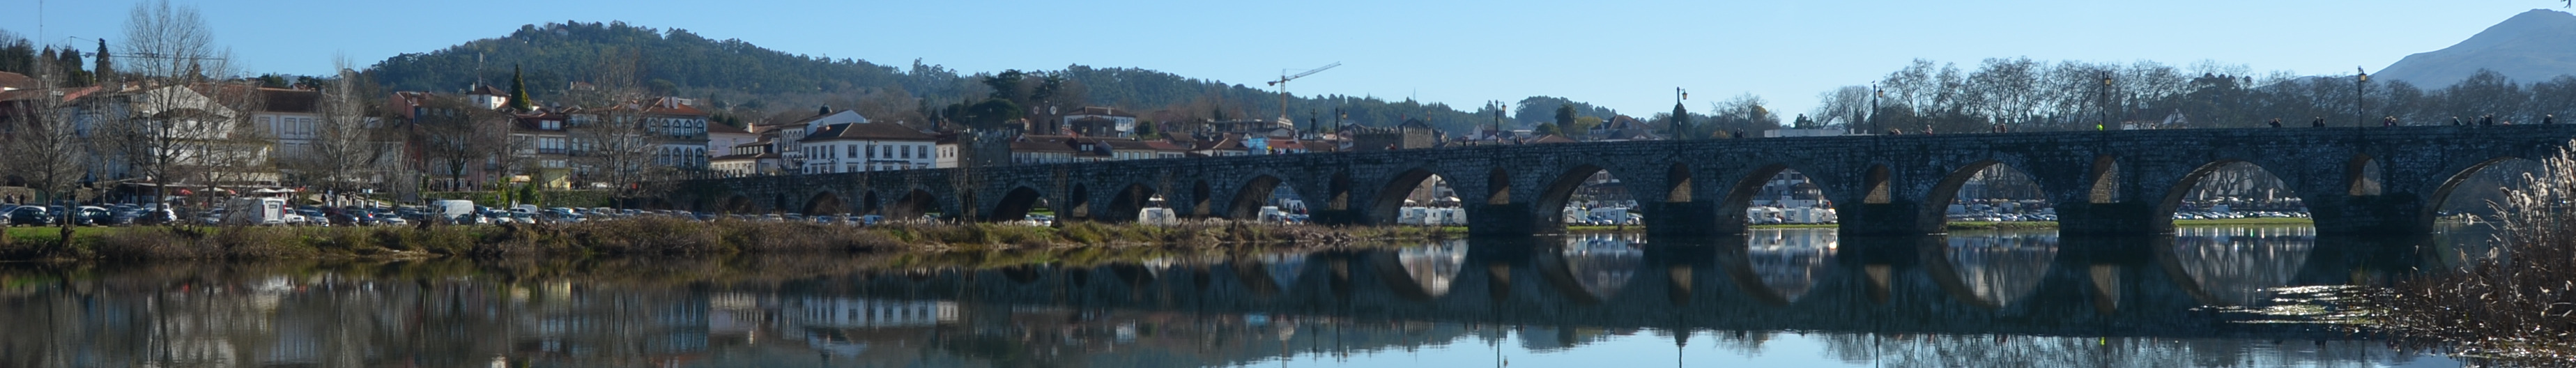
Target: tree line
[{"x": 2020, "y": 94}]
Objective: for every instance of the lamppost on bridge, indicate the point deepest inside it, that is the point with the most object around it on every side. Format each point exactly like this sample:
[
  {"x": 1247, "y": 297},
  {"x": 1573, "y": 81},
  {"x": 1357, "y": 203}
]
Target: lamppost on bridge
[
  {"x": 2361, "y": 81},
  {"x": 1872, "y": 117},
  {"x": 2106, "y": 104}
]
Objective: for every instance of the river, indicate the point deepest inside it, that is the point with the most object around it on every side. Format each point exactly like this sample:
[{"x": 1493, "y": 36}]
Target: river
[{"x": 1775, "y": 298}]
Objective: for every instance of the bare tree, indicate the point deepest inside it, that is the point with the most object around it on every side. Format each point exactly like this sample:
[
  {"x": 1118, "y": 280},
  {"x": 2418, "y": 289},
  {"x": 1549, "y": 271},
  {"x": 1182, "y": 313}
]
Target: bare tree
[
  {"x": 612, "y": 141},
  {"x": 46, "y": 145},
  {"x": 1847, "y": 104},
  {"x": 459, "y": 137},
  {"x": 180, "y": 123},
  {"x": 346, "y": 153}
]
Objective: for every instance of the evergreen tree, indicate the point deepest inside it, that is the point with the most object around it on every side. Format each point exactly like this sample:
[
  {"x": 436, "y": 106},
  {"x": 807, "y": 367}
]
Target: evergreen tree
[
  {"x": 1681, "y": 122},
  {"x": 1564, "y": 115},
  {"x": 106, "y": 70},
  {"x": 519, "y": 91}
]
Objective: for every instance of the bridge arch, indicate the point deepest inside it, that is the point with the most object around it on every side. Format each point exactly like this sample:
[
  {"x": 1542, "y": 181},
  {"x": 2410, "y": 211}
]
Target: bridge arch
[
  {"x": 918, "y": 202},
  {"x": 2182, "y": 189},
  {"x": 870, "y": 204},
  {"x": 824, "y": 203},
  {"x": 2104, "y": 180},
  {"x": 2450, "y": 184},
  {"x": 736, "y": 204},
  {"x": 1553, "y": 197},
  {"x": 1498, "y": 187},
  {"x": 1876, "y": 184},
  {"x": 1130, "y": 201},
  {"x": 1739, "y": 198},
  {"x": 1390, "y": 199},
  {"x": 1249, "y": 197},
  {"x": 2363, "y": 176},
  {"x": 1199, "y": 199},
  {"x": 1077, "y": 204},
  {"x": 1015, "y": 205},
  {"x": 1677, "y": 181},
  {"x": 1338, "y": 192},
  {"x": 1944, "y": 193},
  {"x": 1559, "y": 192}
]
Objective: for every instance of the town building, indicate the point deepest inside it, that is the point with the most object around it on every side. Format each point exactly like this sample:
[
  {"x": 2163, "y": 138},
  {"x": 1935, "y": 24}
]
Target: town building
[
  {"x": 862, "y": 147},
  {"x": 1099, "y": 122}
]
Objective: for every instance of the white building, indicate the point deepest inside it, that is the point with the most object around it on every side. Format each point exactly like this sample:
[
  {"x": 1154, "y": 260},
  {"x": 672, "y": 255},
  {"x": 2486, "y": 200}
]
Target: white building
[
  {"x": 791, "y": 136},
  {"x": 861, "y": 147}
]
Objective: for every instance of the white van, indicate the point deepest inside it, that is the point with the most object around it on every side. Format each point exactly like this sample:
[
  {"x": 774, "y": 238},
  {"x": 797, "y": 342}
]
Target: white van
[
  {"x": 449, "y": 210},
  {"x": 255, "y": 211}
]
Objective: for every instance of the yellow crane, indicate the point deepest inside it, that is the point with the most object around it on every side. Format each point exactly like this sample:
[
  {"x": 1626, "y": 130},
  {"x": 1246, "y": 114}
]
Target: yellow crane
[{"x": 1283, "y": 86}]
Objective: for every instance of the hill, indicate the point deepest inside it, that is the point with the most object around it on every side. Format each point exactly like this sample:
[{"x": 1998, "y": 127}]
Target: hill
[
  {"x": 740, "y": 76},
  {"x": 2530, "y": 47}
]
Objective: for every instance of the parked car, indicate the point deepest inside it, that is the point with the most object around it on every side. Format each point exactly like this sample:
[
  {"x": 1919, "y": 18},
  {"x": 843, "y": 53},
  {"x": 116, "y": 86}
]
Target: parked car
[{"x": 30, "y": 216}]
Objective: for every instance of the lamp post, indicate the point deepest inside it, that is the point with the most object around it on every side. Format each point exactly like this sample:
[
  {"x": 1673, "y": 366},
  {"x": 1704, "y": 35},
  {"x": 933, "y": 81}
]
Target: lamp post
[
  {"x": 2361, "y": 81},
  {"x": 2106, "y": 104}
]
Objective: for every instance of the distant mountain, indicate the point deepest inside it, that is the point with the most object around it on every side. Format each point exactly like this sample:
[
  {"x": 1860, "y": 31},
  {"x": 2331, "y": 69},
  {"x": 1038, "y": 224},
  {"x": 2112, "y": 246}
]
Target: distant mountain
[
  {"x": 2533, "y": 46},
  {"x": 742, "y": 75}
]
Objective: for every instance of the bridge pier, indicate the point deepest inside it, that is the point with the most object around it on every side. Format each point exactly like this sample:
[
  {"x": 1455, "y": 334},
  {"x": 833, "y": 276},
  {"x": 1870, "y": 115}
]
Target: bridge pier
[
  {"x": 2370, "y": 214},
  {"x": 2117, "y": 218},
  {"x": 1335, "y": 217},
  {"x": 1689, "y": 219},
  {"x": 1887, "y": 219},
  {"x": 1509, "y": 219}
]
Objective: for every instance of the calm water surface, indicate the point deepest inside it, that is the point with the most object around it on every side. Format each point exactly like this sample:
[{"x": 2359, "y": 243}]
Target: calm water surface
[{"x": 1775, "y": 298}]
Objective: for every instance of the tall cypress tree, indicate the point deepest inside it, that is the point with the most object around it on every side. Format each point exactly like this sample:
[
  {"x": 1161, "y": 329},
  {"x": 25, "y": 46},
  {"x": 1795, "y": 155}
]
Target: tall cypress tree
[
  {"x": 519, "y": 91},
  {"x": 105, "y": 72},
  {"x": 1681, "y": 126}
]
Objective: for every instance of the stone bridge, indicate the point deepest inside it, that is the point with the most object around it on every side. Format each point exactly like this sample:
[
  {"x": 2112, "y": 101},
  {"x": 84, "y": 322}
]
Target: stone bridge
[{"x": 2354, "y": 180}]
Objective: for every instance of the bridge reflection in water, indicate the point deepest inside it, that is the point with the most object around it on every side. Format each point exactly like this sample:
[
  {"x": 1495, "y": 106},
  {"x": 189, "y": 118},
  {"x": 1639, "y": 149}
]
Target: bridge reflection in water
[{"x": 1968, "y": 299}]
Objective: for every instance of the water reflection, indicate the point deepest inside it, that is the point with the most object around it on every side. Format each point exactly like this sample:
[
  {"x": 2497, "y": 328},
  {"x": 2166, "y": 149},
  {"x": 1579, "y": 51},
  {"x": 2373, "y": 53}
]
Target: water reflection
[
  {"x": 1994, "y": 270},
  {"x": 2239, "y": 266},
  {"x": 1423, "y": 272},
  {"x": 1971, "y": 299},
  {"x": 1597, "y": 264},
  {"x": 1788, "y": 261}
]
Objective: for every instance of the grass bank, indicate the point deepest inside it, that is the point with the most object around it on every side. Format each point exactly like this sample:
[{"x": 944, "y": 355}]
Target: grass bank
[{"x": 656, "y": 237}]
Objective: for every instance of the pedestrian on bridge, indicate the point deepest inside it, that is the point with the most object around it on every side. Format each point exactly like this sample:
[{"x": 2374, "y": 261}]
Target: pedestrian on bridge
[
  {"x": 2488, "y": 119},
  {"x": 2391, "y": 120},
  {"x": 2549, "y": 119},
  {"x": 2455, "y": 121},
  {"x": 2319, "y": 122},
  {"x": 2276, "y": 123}
]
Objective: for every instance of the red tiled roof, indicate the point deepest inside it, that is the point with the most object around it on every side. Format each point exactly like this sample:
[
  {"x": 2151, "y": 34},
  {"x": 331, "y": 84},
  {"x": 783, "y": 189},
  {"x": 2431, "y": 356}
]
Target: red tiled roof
[
  {"x": 16, "y": 81},
  {"x": 868, "y": 131},
  {"x": 725, "y": 128},
  {"x": 1097, "y": 110}
]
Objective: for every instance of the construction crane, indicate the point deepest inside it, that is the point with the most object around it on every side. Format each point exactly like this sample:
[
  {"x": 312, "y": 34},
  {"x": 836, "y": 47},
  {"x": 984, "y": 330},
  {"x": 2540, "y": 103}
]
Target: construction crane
[{"x": 1283, "y": 86}]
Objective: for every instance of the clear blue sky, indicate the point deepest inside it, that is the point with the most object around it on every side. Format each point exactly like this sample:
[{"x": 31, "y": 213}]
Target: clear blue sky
[{"x": 1624, "y": 55}]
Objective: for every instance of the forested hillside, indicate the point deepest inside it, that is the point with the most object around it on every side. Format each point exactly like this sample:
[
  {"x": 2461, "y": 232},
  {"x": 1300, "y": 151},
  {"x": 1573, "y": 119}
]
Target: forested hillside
[{"x": 749, "y": 80}]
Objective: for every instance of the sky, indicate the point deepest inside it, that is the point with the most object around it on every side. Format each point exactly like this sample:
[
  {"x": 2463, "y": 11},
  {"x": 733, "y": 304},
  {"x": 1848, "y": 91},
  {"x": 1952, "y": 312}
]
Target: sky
[{"x": 1626, "y": 55}]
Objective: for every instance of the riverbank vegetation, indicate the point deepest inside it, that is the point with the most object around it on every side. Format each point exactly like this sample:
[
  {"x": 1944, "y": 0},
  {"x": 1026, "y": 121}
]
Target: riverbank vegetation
[
  {"x": 2515, "y": 303},
  {"x": 659, "y": 236}
]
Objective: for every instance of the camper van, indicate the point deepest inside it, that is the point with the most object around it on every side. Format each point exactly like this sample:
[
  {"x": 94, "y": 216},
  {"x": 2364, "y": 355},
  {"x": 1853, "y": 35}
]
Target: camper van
[
  {"x": 255, "y": 211},
  {"x": 1158, "y": 216},
  {"x": 451, "y": 210}
]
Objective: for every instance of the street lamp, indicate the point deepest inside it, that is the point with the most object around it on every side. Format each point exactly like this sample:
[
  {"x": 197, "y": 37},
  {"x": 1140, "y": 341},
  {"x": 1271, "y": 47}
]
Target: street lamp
[{"x": 2361, "y": 80}]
